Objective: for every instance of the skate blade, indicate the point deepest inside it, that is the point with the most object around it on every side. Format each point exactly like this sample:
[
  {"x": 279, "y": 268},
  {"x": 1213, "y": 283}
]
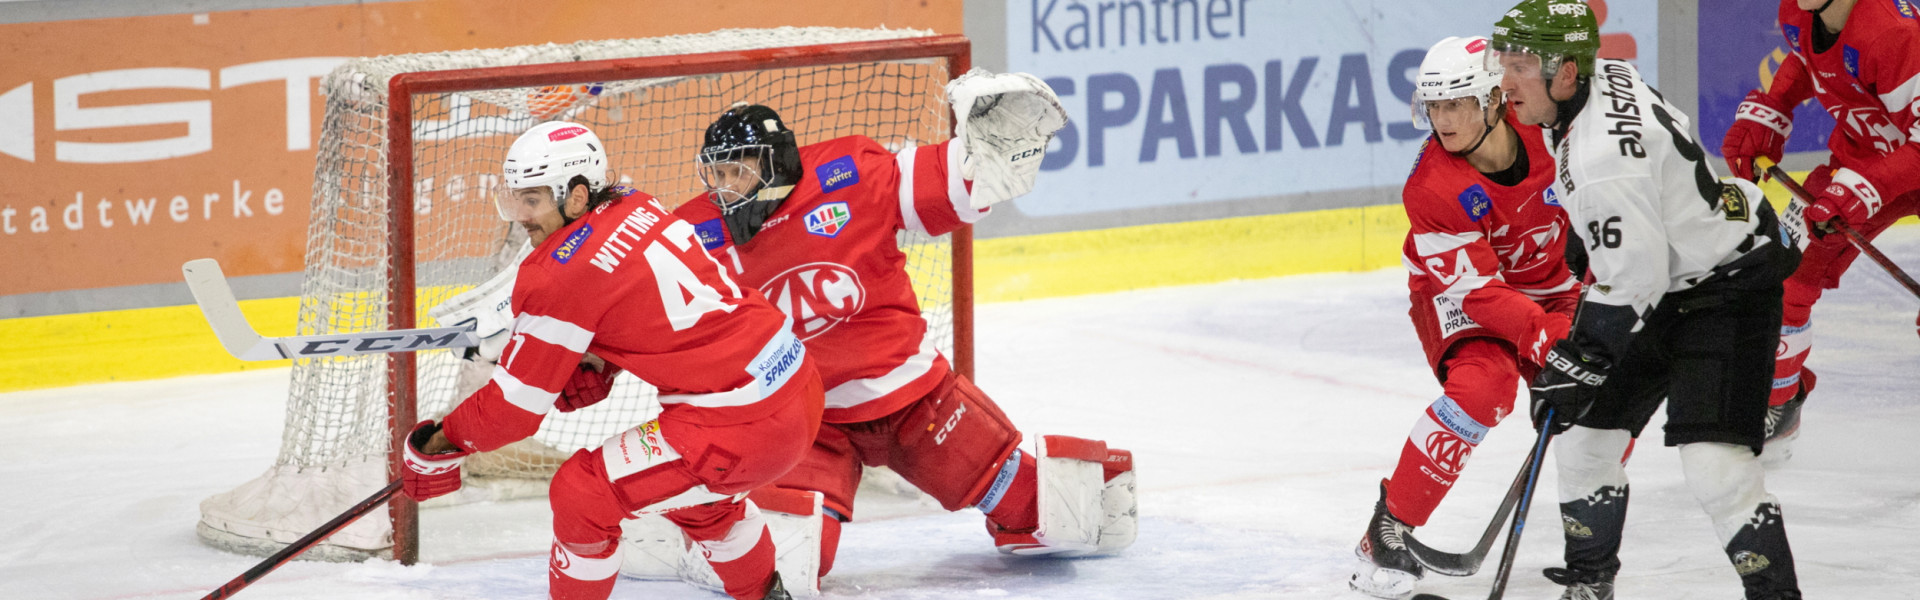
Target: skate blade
[{"x": 1389, "y": 584}]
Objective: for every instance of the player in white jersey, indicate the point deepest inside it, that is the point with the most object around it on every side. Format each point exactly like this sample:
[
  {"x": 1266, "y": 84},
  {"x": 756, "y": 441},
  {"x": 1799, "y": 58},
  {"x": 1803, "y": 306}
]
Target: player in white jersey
[{"x": 1685, "y": 292}]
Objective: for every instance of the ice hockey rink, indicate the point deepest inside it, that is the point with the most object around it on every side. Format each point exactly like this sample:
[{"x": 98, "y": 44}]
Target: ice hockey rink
[{"x": 1261, "y": 414}]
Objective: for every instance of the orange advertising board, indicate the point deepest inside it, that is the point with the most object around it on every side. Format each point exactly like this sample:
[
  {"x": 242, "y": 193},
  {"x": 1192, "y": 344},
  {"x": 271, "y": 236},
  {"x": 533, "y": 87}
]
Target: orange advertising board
[{"x": 129, "y": 146}]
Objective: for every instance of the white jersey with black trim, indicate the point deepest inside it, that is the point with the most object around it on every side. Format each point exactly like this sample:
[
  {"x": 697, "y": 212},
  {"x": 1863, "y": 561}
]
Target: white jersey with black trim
[{"x": 1642, "y": 196}]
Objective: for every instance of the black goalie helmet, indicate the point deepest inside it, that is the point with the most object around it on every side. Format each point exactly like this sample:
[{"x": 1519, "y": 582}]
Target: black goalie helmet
[{"x": 749, "y": 163}]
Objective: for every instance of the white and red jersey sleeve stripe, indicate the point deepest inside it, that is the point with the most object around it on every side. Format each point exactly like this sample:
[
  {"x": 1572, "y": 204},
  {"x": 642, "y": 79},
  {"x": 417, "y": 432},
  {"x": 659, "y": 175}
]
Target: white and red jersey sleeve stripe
[
  {"x": 934, "y": 199},
  {"x": 541, "y": 354}
]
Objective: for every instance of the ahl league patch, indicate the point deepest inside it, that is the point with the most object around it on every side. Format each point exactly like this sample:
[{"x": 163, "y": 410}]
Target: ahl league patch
[
  {"x": 828, "y": 219},
  {"x": 1550, "y": 198}
]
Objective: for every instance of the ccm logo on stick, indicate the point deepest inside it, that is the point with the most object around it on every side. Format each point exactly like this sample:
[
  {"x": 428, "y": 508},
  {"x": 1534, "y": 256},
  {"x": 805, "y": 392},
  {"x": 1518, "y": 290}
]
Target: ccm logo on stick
[{"x": 419, "y": 341}]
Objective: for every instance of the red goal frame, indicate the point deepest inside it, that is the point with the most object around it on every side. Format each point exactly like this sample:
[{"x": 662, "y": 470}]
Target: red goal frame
[{"x": 956, "y": 49}]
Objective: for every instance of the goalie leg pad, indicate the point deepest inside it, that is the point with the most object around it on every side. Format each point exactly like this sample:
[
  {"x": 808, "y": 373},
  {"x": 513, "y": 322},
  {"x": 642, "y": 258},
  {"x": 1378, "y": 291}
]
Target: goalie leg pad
[
  {"x": 951, "y": 444},
  {"x": 1071, "y": 480},
  {"x": 795, "y": 522},
  {"x": 1122, "y": 522},
  {"x": 731, "y": 545}
]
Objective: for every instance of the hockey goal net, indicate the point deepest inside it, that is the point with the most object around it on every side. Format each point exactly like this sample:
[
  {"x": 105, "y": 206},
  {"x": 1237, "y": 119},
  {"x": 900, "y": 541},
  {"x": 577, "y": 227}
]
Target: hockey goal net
[{"x": 402, "y": 220}]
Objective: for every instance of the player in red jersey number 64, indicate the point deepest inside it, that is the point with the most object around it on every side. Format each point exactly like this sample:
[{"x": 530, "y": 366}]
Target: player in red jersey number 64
[
  {"x": 1489, "y": 282},
  {"x": 612, "y": 272}
]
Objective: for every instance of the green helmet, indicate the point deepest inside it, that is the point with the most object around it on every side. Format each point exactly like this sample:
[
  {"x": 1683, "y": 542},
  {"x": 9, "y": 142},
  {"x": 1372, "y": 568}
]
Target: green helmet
[{"x": 1556, "y": 30}]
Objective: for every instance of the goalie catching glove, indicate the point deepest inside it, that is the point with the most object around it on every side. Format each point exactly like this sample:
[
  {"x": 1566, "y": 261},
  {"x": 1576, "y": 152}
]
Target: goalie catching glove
[{"x": 1005, "y": 121}]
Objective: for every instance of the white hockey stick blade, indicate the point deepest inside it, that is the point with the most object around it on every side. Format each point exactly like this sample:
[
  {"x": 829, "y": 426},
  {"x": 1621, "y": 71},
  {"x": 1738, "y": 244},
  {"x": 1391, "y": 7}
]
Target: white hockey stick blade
[{"x": 210, "y": 291}]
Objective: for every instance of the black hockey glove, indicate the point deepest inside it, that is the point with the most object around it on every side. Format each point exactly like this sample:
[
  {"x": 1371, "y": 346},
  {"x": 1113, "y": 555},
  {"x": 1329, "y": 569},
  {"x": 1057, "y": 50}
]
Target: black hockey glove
[{"x": 1568, "y": 384}]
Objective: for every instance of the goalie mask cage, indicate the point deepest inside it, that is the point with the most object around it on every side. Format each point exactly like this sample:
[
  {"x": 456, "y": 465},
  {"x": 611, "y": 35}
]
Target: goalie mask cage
[{"x": 403, "y": 219}]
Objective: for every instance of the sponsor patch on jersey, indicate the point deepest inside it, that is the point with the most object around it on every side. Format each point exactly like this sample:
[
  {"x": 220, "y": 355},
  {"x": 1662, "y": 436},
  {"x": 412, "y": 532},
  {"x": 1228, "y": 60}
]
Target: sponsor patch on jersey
[
  {"x": 565, "y": 252},
  {"x": 1549, "y": 197},
  {"x": 777, "y": 361},
  {"x": 1793, "y": 36},
  {"x": 1852, "y": 57},
  {"x": 1476, "y": 202},
  {"x": 1906, "y": 9},
  {"x": 828, "y": 219},
  {"x": 837, "y": 173},
  {"x": 1453, "y": 319},
  {"x": 712, "y": 233}
]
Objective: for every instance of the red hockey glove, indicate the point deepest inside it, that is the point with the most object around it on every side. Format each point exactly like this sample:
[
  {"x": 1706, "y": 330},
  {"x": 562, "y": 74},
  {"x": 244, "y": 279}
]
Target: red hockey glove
[
  {"x": 1548, "y": 329},
  {"x": 588, "y": 386},
  {"x": 429, "y": 475},
  {"x": 1760, "y": 128},
  {"x": 1850, "y": 198}
]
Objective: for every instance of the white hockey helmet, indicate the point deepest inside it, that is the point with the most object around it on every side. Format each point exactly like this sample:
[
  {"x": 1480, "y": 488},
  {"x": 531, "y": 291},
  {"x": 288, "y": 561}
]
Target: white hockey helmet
[
  {"x": 1454, "y": 68},
  {"x": 551, "y": 154}
]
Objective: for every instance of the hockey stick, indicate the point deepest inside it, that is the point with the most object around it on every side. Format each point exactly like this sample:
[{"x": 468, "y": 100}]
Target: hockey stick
[
  {"x": 301, "y": 545},
  {"x": 210, "y": 291},
  {"x": 1519, "y": 518},
  {"x": 1859, "y": 241},
  {"x": 1464, "y": 565}
]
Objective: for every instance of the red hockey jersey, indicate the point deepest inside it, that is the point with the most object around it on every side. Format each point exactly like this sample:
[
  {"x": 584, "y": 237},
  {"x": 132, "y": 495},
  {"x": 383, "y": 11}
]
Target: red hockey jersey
[
  {"x": 830, "y": 258},
  {"x": 1869, "y": 80},
  {"x": 629, "y": 282},
  {"x": 1484, "y": 259}
]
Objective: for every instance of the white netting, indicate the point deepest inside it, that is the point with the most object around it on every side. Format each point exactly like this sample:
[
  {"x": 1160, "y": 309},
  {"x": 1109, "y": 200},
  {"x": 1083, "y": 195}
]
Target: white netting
[{"x": 337, "y": 417}]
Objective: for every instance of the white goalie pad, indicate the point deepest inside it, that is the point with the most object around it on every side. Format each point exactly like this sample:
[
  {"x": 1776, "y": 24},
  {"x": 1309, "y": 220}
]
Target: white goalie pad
[
  {"x": 794, "y": 520},
  {"x": 488, "y": 307},
  {"x": 1005, "y": 121},
  {"x": 1086, "y": 500},
  {"x": 651, "y": 548},
  {"x": 1070, "y": 485}
]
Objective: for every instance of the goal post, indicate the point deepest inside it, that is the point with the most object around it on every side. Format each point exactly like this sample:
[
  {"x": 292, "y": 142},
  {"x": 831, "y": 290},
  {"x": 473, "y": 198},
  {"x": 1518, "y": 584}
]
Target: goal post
[{"x": 402, "y": 220}]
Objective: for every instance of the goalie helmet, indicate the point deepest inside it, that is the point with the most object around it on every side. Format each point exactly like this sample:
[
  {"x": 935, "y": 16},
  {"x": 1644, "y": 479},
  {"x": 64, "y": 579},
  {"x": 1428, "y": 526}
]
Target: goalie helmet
[
  {"x": 744, "y": 132},
  {"x": 552, "y": 155},
  {"x": 1454, "y": 68}
]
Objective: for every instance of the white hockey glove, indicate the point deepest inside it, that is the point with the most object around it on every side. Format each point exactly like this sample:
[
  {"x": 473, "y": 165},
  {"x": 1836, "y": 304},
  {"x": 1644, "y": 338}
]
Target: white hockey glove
[
  {"x": 488, "y": 307},
  {"x": 1005, "y": 121}
]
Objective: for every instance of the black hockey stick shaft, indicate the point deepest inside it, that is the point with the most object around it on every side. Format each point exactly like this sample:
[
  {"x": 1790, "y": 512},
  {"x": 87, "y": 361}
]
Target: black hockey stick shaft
[
  {"x": 1859, "y": 241},
  {"x": 1520, "y": 513},
  {"x": 1465, "y": 565},
  {"x": 301, "y": 545}
]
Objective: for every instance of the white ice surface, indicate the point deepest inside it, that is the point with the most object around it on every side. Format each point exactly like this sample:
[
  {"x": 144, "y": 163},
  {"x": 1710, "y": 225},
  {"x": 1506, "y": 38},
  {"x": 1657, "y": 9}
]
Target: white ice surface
[{"x": 1262, "y": 414}]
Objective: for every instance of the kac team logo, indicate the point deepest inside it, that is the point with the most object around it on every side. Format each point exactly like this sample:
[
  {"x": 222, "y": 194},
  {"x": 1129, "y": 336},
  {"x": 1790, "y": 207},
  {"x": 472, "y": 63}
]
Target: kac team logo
[
  {"x": 1448, "y": 451},
  {"x": 1524, "y": 251},
  {"x": 828, "y": 219},
  {"x": 817, "y": 296}
]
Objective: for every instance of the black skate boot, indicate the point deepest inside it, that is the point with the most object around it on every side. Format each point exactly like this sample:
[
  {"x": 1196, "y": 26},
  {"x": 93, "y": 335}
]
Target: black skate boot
[
  {"x": 1761, "y": 556},
  {"x": 1783, "y": 424},
  {"x": 1593, "y": 526},
  {"x": 1582, "y": 585},
  {"x": 776, "y": 590},
  {"x": 1387, "y": 569}
]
